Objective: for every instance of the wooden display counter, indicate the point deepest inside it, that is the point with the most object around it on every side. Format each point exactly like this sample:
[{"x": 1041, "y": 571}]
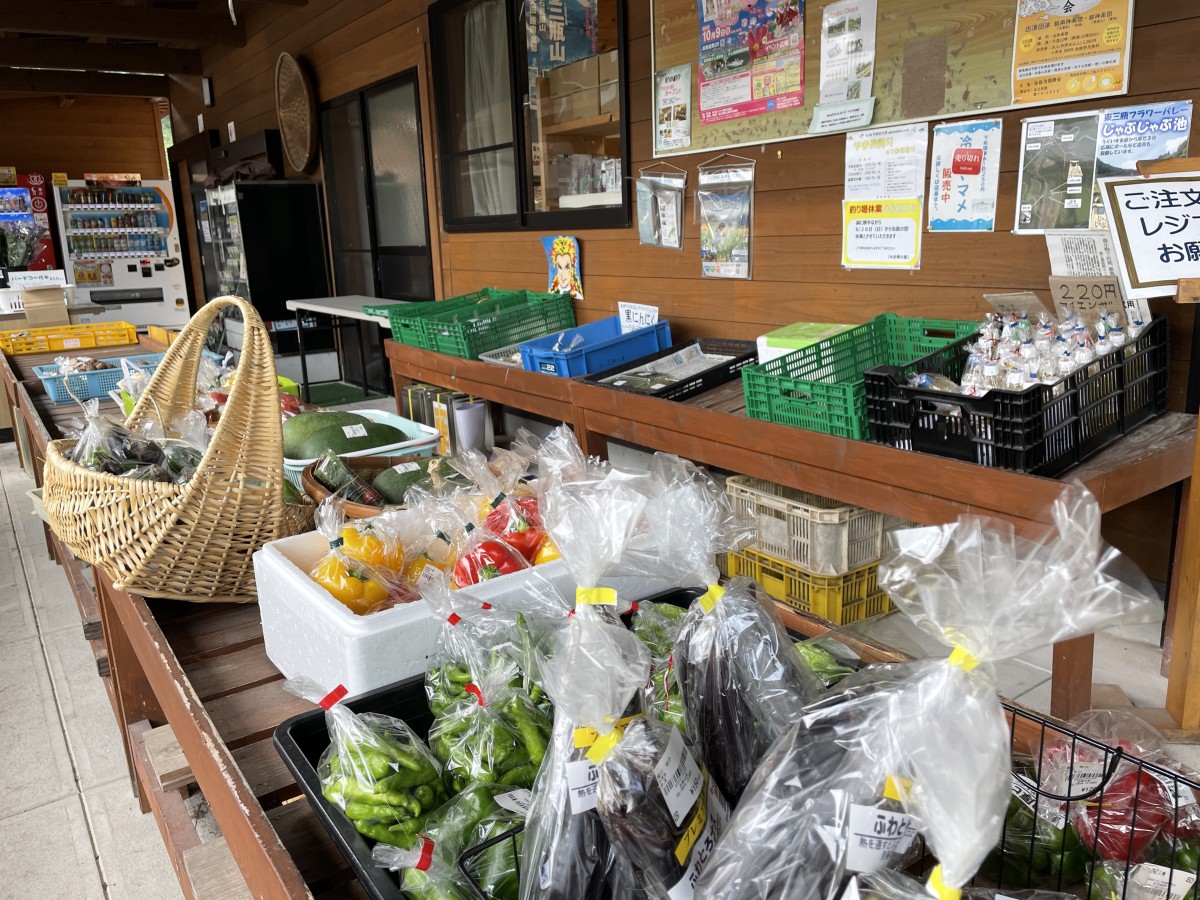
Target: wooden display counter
[{"x": 712, "y": 429}]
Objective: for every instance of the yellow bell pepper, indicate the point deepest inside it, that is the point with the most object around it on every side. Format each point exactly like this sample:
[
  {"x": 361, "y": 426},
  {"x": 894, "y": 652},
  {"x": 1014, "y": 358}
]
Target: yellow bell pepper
[
  {"x": 548, "y": 553},
  {"x": 354, "y": 589},
  {"x": 364, "y": 544}
]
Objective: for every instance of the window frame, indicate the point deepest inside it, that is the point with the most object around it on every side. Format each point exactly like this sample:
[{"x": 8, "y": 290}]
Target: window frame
[{"x": 525, "y": 218}]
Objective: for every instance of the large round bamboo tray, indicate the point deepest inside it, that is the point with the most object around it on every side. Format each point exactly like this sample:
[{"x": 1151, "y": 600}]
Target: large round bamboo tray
[{"x": 193, "y": 541}]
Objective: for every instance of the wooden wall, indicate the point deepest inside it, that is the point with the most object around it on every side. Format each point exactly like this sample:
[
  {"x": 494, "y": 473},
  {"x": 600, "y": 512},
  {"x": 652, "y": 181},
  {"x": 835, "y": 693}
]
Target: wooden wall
[
  {"x": 797, "y": 275},
  {"x": 89, "y": 134}
]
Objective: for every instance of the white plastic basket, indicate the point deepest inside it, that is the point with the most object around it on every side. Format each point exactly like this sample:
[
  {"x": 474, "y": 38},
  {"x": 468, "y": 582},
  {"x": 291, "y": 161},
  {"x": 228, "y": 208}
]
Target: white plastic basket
[
  {"x": 424, "y": 443},
  {"x": 820, "y": 535}
]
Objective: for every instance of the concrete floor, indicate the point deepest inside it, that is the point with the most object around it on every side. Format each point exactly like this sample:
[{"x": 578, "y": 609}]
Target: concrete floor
[{"x": 69, "y": 822}]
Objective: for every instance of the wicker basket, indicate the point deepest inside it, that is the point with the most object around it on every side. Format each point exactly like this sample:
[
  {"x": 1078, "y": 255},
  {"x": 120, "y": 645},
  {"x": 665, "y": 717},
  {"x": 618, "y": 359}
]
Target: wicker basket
[{"x": 191, "y": 541}]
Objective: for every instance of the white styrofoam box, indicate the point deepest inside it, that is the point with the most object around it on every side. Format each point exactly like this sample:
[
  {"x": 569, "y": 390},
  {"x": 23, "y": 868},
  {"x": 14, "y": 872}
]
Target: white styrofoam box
[
  {"x": 310, "y": 634},
  {"x": 790, "y": 338}
]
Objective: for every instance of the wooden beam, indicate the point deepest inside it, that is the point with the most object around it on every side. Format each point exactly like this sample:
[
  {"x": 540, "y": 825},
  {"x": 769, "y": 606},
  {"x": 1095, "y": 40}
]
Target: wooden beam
[
  {"x": 44, "y": 81},
  {"x": 191, "y": 29},
  {"x": 99, "y": 57}
]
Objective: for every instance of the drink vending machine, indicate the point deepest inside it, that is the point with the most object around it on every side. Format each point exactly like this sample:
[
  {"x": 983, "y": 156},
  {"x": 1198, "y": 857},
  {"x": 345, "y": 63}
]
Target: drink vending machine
[{"x": 120, "y": 241}]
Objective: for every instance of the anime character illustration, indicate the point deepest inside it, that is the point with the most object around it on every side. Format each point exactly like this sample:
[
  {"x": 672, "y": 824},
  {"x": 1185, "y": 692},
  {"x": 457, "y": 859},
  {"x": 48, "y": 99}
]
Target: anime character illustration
[{"x": 563, "y": 252}]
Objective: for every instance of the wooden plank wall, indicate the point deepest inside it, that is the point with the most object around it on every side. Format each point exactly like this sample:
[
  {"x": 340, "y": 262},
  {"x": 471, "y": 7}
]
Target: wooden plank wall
[
  {"x": 89, "y": 134},
  {"x": 797, "y": 275}
]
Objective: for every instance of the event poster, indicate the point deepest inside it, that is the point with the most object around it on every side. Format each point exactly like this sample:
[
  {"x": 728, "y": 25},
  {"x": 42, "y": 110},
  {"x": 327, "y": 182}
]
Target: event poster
[
  {"x": 751, "y": 57},
  {"x": 881, "y": 234},
  {"x": 886, "y": 163},
  {"x": 673, "y": 109},
  {"x": 964, "y": 175},
  {"x": 1058, "y": 168},
  {"x": 558, "y": 32},
  {"x": 1071, "y": 49},
  {"x": 1131, "y": 133},
  {"x": 847, "y": 50}
]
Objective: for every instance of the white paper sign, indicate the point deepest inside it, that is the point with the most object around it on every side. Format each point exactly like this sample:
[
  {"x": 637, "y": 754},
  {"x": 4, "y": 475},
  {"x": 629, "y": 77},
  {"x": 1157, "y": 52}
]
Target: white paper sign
[
  {"x": 678, "y": 777},
  {"x": 517, "y": 801},
  {"x": 886, "y": 163},
  {"x": 583, "y": 778},
  {"x": 1155, "y": 223},
  {"x": 1081, "y": 254},
  {"x": 34, "y": 280},
  {"x": 636, "y": 315},
  {"x": 829, "y": 117},
  {"x": 875, "y": 836}
]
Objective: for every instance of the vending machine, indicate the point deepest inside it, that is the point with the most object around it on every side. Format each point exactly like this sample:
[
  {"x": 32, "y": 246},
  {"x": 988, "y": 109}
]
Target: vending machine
[
  {"x": 25, "y": 220},
  {"x": 120, "y": 241}
]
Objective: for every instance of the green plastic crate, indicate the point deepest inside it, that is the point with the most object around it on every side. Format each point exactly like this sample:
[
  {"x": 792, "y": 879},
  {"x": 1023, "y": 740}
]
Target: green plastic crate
[
  {"x": 820, "y": 387},
  {"x": 408, "y": 319},
  {"x": 497, "y": 323}
]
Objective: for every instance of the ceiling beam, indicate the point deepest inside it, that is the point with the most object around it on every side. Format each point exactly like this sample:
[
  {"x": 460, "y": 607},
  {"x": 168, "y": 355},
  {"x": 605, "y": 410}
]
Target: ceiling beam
[
  {"x": 99, "y": 57},
  {"x": 42, "y": 81},
  {"x": 192, "y": 29}
]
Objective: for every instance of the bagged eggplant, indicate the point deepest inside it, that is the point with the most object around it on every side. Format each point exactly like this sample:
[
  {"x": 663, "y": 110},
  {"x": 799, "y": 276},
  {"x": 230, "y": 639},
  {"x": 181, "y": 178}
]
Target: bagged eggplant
[
  {"x": 482, "y": 812},
  {"x": 103, "y": 445},
  {"x": 375, "y": 770},
  {"x": 886, "y": 885},
  {"x": 333, "y": 472},
  {"x": 590, "y": 513},
  {"x": 923, "y": 746},
  {"x": 362, "y": 568}
]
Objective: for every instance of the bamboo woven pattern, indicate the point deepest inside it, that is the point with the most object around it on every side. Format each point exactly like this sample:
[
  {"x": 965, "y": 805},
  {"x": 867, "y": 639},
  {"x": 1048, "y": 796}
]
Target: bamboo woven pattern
[{"x": 192, "y": 541}]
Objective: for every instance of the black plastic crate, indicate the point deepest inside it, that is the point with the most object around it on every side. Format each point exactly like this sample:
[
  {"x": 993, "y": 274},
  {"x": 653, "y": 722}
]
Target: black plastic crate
[
  {"x": 1044, "y": 430},
  {"x": 744, "y": 353}
]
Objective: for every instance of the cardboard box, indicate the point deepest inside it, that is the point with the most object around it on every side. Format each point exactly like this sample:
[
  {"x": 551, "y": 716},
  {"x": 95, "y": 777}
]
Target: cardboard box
[
  {"x": 571, "y": 107},
  {"x": 45, "y": 307},
  {"x": 610, "y": 99},
  {"x": 609, "y": 67},
  {"x": 574, "y": 77}
]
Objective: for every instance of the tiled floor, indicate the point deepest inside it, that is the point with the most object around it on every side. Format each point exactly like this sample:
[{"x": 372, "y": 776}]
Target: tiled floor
[
  {"x": 68, "y": 819},
  {"x": 69, "y": 822}
]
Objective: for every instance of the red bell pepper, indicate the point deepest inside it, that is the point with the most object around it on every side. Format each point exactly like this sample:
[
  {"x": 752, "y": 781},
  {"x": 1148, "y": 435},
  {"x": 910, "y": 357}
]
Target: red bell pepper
[
  {"x": 1123, "y": 821},
  {"x": 487, "y": 559},
  {"x": 517, "y": 522}
]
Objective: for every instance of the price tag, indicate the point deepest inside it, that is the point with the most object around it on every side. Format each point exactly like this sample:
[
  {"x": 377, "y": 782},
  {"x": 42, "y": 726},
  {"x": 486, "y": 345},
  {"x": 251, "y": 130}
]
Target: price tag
[
  {"x": 1184, "y": 795},
  {"x": 876, "y": 836},
  {"x": 636, "y": 315},
  {"x": 517, "y": 801},
  {"x": 1024, "y": 790},
  {"x": 1151, "y": 882},
  {"x": 71, "y": 343},
  {"x": 353, "y": 431},
  {"x": 678, "y": 777},
  {"x": 1086, "y": 777},
  {"x": 405, "y": 468},
  {"x": 583, "y": 780},
  {"x": 428, "y": 573},
  {"x": 696, "y": 845}
]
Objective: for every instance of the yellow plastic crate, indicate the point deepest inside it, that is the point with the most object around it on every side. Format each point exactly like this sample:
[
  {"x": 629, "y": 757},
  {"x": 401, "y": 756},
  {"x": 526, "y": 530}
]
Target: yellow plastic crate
[
  {"x": 839, "y": 598},
  {"x": 67, "y": 337},
  {"x": 164, "y": 336}
]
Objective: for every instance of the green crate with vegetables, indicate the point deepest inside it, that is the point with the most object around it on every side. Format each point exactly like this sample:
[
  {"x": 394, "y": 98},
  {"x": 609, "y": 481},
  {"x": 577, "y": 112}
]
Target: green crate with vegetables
[{"x": 820, "y": 387}]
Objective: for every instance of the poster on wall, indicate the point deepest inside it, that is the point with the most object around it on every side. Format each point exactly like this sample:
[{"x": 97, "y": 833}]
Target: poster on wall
[
  {"x": 673, "y": 108},
  {"x": 881, "y": 234},
  {"x": 1058, "y": 168},
  {"x": 562, "y": 257},
  {"x": 847, "y": 50},
  {"x": 1071, "y": 49},
  {"x": 558, "y": 32},
  {"x": 1130, "y": 133},
  {"x": 964, "y": 175},
  {"x": 1157, "y": 240},
  {"x": 886, "y": 163},
  {"x": 751, "y": 57}
]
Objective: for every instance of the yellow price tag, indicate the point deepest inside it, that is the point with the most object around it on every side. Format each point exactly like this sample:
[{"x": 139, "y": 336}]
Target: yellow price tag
[
  {"x": 709, "y": 598},
  {"x": 694, "y": 830},
  {"x": 597, "y": 596}
]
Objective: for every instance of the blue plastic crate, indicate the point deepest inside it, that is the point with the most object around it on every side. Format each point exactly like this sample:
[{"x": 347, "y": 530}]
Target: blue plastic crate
[
  {"x": 603, "y": 347},
  {"x": 89, "y": 385}
]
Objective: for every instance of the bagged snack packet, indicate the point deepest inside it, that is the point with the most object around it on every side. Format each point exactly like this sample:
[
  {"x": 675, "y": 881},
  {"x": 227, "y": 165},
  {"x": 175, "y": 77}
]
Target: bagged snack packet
[
  {"x": 923, "y": 746},
  {"x": 376, "y": 771}
]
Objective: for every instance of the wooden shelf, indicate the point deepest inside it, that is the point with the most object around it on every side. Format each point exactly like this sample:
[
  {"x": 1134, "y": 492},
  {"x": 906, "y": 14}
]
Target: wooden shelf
[{"x": 597, "y": 126}]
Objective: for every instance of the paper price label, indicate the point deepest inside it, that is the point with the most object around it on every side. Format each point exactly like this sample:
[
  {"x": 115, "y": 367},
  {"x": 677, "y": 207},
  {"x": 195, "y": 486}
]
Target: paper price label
[
  {"x": 698, "y": 842},
  {"x": 636, "y": 315},
  {"x": 1151, "y": 882},
  {"x": 71, "y": 343},
  {"x": 353, "y": 431},
  {"x": 1086, "y": 777},
  {"x": 1184, "y": 795},
  {"x": 678, "y": 777},
  {"x": 405, "y": 468},
  {"x": 428, "y": 573},
  {"x": 876, "y": 836},
  {"x": 583, "y": 781},
  {"x": 1024, "y": 790},
  {"x": 517, "y": 801}
]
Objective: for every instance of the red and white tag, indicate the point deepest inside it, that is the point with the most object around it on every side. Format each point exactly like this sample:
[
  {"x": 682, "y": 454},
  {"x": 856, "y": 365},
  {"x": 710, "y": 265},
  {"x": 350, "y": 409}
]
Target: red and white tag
[
  {"x": 426, "y": 859},
  {"x": 333, "y": 697}
]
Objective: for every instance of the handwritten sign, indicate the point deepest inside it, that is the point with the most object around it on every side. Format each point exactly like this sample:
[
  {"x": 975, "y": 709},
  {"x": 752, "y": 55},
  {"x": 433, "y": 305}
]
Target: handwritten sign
[
  {"x": 33, "y": 280},
  {"x": 1089, "y": 298},
  {"x": 636, "y": 315},
  {"x": 1155, "y": 223}
]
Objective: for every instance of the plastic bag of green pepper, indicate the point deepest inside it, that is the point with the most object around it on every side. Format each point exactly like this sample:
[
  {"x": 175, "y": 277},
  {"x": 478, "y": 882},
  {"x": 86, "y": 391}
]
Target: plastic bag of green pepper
[
  {"x": 376, "y": 770},
  {"x": 477, "y": 815},
  {"x": 657, "y": 624}
]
